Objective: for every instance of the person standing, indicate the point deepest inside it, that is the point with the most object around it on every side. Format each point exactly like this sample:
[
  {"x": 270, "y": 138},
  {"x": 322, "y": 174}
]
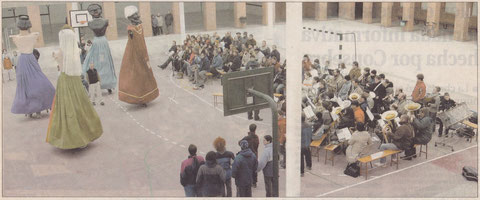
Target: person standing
[
  {"x": 136, "y": 85},
  {"x": 7, "y": 63},
  {"x": 154, "y": 25},
  {"x": 99, "y": 53},
  {"x": 306, "y": 139},
  {"x": 34, "y": 91},
  {"x": 265, "y": 164},
  {"x": 253, "y": 142},
  {"x": 445, "y": 104},
  {"x": 224, "y": 159},
  {"x": 243, "y": 167},
  {"x": 420, "y": 89},
  {"x": 161, "y": 23},
  {"x": 94, "y": 82},
  {"x": 73, "y": 123},
  {"x": 211, "y": 177},
  {"x": 169, "y": 22},
  {"x": 189, "y": 171}
]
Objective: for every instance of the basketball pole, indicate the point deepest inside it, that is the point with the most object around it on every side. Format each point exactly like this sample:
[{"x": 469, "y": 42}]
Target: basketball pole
[{"x": 273, "y": 107}]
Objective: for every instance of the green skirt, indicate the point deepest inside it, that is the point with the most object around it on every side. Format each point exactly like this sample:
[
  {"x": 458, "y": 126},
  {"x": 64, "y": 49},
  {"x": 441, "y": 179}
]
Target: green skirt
[{"x": 73, "y": 121}]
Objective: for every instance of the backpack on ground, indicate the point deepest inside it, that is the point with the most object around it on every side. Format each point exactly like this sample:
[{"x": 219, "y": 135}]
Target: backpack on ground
[
  {"x": 470, "y": 173},
  {"x": 352, "y": 170}
]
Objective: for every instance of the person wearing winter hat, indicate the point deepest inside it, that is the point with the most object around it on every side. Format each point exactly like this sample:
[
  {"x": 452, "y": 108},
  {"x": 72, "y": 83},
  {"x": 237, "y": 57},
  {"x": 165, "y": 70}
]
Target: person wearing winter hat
[{"x": 243, "y": 167}]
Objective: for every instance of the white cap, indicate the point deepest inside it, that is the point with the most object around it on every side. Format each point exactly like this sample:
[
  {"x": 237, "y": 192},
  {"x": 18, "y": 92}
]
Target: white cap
[{"x": 130, "y": 10}]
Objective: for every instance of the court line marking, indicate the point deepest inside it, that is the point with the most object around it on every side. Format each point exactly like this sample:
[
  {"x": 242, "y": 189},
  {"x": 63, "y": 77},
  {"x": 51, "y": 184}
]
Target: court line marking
[{"x": 394, "y": 172}]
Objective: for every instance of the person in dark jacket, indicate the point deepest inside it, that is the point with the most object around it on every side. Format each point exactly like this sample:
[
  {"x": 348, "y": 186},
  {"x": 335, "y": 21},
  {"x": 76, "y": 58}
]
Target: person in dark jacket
[
  {"x": 423, "y": 127},
  {"x": 265, "y": 164},
  {"x": 227, "y": 40},
  {"x": 275, "y": 53},
  {"x": 211, "y": 177},
  {"x": 380, "y": 92},
  {"x": 169, "y": 22},
  {"x": 188, "y": 171},
  {"x": 224, "y": 159},
  {"x": 243, "y": 167},
  {"x": 306, "y": 139},
  {"x": 172, "y": 51},
  {"x": 253, "y": 143},
  {"x": 445, "y": 104},
  {"x": 217, "y": 64},
  {"x": 402, "y": 139}
]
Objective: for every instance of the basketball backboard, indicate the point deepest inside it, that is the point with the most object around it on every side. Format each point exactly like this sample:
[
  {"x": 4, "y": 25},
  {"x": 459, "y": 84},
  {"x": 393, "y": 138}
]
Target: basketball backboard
[
  {"x": 79, "y": 18},
  {"x": 236, "y": 99}
]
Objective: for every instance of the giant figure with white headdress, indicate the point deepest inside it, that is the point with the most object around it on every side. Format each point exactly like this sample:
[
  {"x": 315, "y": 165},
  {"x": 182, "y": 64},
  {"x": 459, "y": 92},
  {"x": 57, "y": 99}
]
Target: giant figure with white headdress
[
  {"x": 136, "y": 84},
  {"x": 99, "y": 54},
  {"x": 34, "y": 91},
  {"x": 73, "y": 121}
]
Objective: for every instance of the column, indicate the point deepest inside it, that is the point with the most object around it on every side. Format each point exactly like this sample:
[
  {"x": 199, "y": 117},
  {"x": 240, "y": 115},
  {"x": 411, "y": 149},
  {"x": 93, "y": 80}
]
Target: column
[
  {"x": 268, "y": 15},
  {"x": 409, "y": 16},
  {"x": 209, "y": 16},
  {"x": 433, "y": 16},
  {"x": 367, "y": 16},
  {"x": 386, "y": 16},
  {"x": 110, "y": 14},
  {"x": 294, "y": 91},
  {"x": 34, "y": 15},
  {"x": 239, "y": 10},
  {"x": 146, "y": 17},
  {"x": 178, "y": 13},
  {"x": 321, "y": 11},
  {"x": 462, "y": 21},
  {"x": 346, "y": 10}
]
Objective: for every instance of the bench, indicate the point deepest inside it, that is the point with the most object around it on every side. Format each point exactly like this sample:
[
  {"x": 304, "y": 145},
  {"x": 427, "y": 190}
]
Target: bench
[
  {"x": 215, "y": 98},
  {"x": 315, "y": 145},
  {"x": 330, "y": 148},
  {"x": 368, "y": 159}
]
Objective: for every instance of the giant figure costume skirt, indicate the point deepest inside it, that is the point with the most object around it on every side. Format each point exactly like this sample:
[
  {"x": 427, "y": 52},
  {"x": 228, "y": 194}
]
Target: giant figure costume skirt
[
  {"x": 99, "y": 54},
  {"x": 136, "y": 84},
  {"x": 34, "y": 91},
  {"x": 73, "y": 121}
]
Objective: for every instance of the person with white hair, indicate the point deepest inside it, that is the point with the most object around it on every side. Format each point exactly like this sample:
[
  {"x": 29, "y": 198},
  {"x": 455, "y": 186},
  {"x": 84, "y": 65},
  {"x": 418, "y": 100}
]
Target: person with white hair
[
  {"x": 74, "y": 123},
  {"x": 136, "y": 84}
]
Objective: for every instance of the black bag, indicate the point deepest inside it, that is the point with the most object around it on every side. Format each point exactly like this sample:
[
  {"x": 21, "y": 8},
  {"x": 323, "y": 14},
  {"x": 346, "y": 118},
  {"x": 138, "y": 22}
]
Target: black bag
[
  {"x": 352, "y": 170},
  {"x": 410, "y": 152},
  {"x": 470, "y": 173}
]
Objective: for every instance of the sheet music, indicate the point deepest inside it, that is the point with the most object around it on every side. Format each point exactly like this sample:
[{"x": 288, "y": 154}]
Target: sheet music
[
  {"x": 308, "y": 112},
  {"x": 370, "y": 115},
  {"x": 344, "y": 134},
  {"x": 381, "y": 123},
  {"x": 376, "y": 155}
]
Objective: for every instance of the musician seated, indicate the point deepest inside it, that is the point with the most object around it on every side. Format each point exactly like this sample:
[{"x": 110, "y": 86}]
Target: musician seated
[
  {"x": 401, "y": 139},
  {"x": 445, "y": 104},
  {"x": 423, "y": 127},
  {"x": 347, "y": 118},
  {"x": 401, "y": 102},
  {"x": 358, "y": 112},
  {"x": 327, "y": 120},
  {"x": 358, "y": 143}
]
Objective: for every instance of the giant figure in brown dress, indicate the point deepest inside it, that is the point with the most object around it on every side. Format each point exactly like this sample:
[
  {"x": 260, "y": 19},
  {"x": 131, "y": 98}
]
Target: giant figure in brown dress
[{"x": 136, "y": 84}]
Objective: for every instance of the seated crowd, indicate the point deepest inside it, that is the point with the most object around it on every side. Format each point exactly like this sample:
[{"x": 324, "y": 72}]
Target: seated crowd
[
  {"x": 204, "y": 54},
  {"x": 359, "y": 101}
]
